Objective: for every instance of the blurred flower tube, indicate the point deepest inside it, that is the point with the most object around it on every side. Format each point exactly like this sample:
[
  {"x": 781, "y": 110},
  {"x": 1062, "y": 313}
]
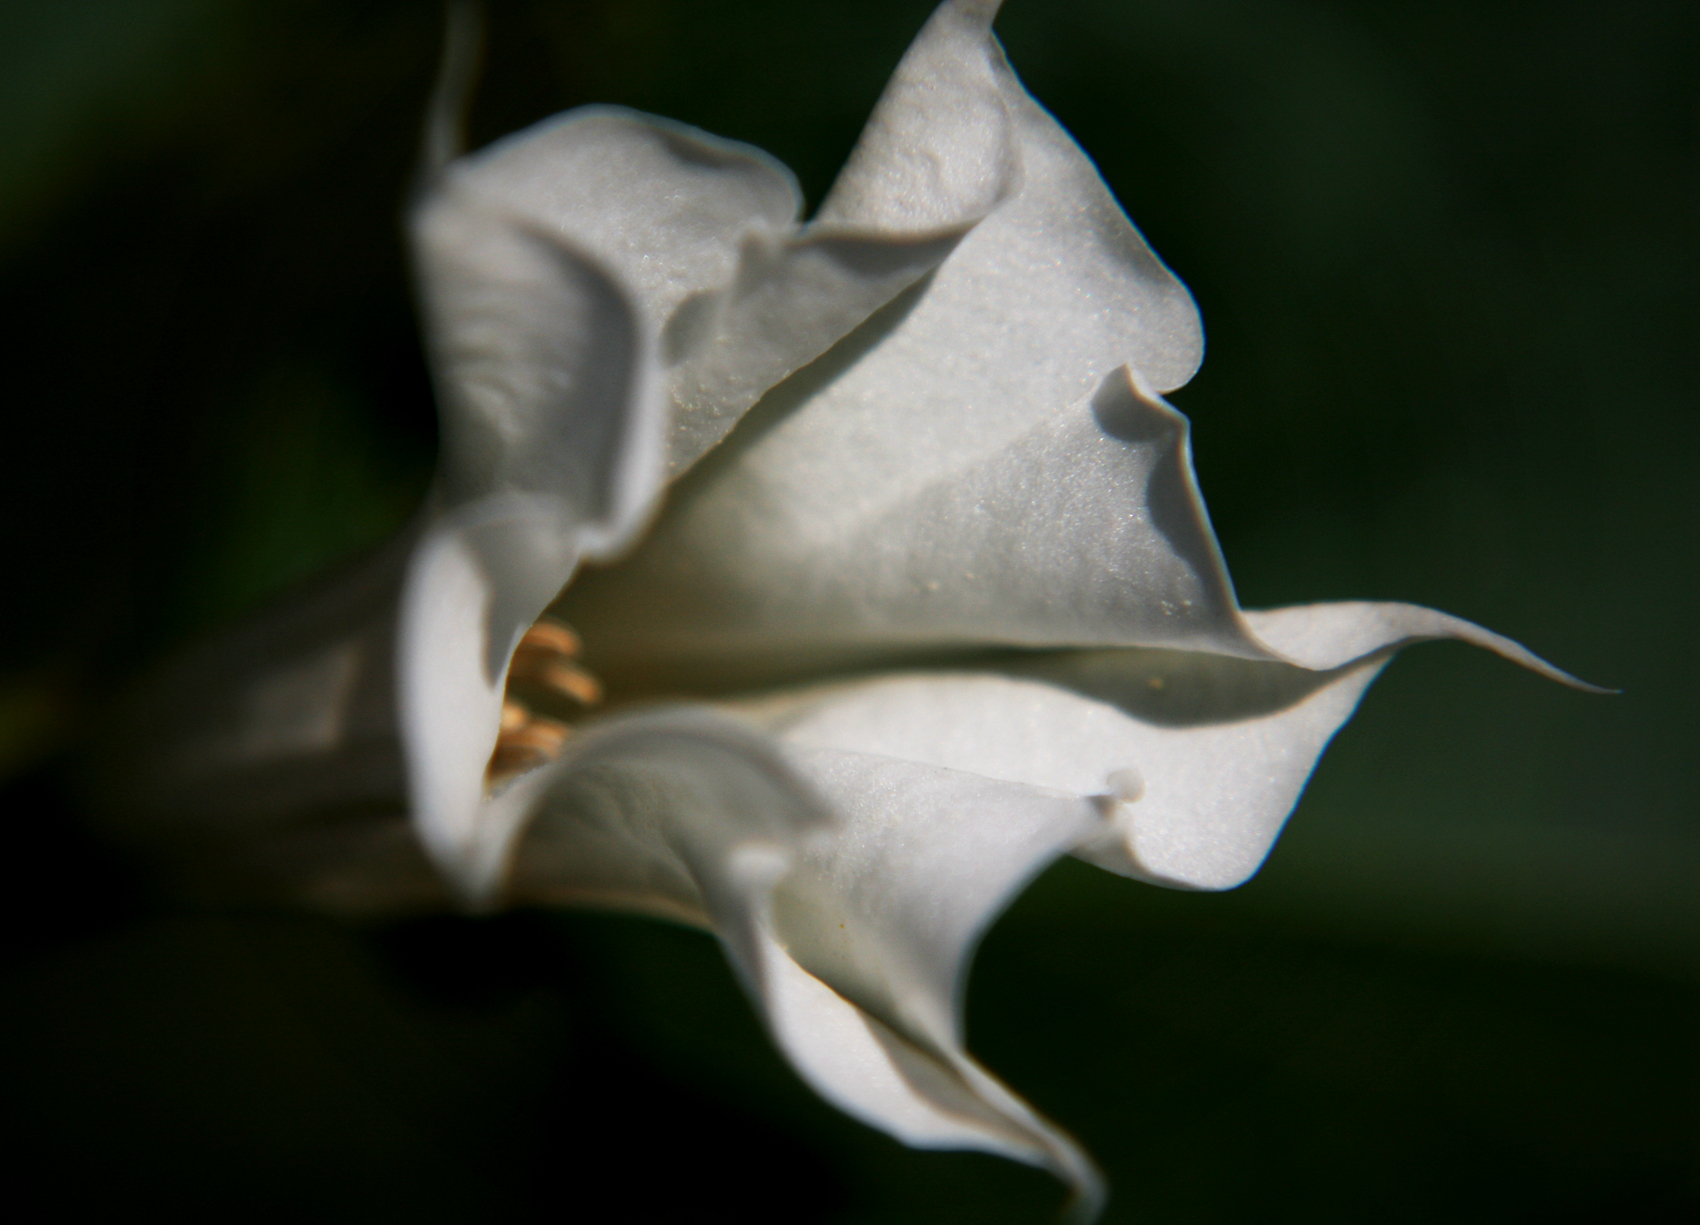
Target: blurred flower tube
[{"x": 815, "y": 583}]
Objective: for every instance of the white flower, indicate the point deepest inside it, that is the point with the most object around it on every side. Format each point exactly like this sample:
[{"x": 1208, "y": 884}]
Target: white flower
[{"x": 943, "y": 606}]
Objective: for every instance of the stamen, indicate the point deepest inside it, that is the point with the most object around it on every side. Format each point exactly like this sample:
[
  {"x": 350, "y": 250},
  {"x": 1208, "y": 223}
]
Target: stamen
[
  {"x": 545, "y": 656},
  {"x": 531, "y": 744},
  {"x": 545, "y": 669},
  {"x": 573, "y": 681},
  {"x": 549, "y": 637}
]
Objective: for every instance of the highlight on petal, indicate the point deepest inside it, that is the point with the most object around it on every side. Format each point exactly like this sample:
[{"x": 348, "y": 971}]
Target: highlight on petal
[
  {"x": 528, "y": 250},
  {"x": 849, "y": 891},
  {"x": 477, "y": 581},
  {"x": 790, "y": 301},
  {"x": 851, "y": 533}
]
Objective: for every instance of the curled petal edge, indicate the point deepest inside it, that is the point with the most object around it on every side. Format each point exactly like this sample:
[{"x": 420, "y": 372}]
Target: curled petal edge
[
  {"x": 1197, "y": 759},
  {"x": 789, "y": 858}
]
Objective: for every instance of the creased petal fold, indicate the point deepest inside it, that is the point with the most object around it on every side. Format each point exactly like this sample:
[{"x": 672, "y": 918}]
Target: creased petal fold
[
  {"x": 1195, "y": 758},
  {"x": 939, "y": 153},
  {"x": 849, "y": 891},
  {"x": 477, "y": 580},
  {"x": 837, "y": 538}
]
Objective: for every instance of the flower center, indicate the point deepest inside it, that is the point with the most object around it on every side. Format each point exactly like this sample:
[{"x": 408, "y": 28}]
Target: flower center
[{"x": 547, "y": 688}]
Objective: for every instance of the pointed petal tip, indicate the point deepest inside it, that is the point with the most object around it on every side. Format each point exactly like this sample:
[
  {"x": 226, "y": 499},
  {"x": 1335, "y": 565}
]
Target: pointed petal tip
[
  {"x": 1518, "y": 654},
  {"x": 443, "y": 138},
  {"x": 1510, "y": 649},
  {"x": 1088, "y": 1190},
  {"x": 1086, "y": 1204},
  {"x": 940, "y": 150},
  {"x": 1325, "y": 637},
  {"x": 975, "y": 10}
]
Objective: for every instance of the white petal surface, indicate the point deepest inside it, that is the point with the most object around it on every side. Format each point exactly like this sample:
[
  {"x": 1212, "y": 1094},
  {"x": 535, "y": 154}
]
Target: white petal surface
[
  {"x": 966, "y": 466},
  {"x": 928, "y": 855},
  {"x": 549, "y": 264},
  {"x": 791, "y": 300},
  {"x": 940, "y": 151},
  {"x": 887, "y": 913},
  {"x": 1324, "y": 636},
  {"x": 656, "y": 813},
  {"x": 600, "y": 230},
  {"x": 941, "y": 144},
  {"x": 1196, "y": 759},
  {"x": 1204, "y": 802},
  {"x": 849, "y": 891},
  {"x": 476, "y": 582},
  {"x": 845, "y": 537},
  {"x": 1057, "y": 288}
]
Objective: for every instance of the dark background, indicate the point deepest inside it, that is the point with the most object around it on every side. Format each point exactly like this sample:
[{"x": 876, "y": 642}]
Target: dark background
[{"x": 1447, "y": 262}]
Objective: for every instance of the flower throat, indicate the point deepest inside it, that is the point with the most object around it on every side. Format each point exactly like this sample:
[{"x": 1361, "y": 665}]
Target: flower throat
[{"x": 547, "y": 688}]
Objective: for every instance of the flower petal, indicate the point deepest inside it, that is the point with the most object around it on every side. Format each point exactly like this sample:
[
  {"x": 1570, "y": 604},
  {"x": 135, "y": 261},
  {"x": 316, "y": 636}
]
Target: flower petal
[
  {"x": 887, "y": 913},
  {"x": 1196, "y": 805},
  {"x": 940, "y": 151},
  {"x": 941, "y": 144},
  {"x": 549, "y": 264},
  {"x": 476, "y": 582},
  {"x": 791, "y": 299},
  {"x": 669, "y": 215},
  {"x": 835, "y": 514},
  {"x": 1197, "y": 758},
  {"x": 842, "y": 536},
  {"x": 671, "y": 813},
  {"x": 1327, "y": 636},
  {"x": 849, "y": 891},
  {"x": 930, "y": 855},
  {"x": 1057, "y": 288},
  {"x": 525, "y": 247}
]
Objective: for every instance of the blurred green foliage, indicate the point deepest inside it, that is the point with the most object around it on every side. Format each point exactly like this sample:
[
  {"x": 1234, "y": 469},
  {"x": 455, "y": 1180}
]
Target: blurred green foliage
[{"x": 1446, "y": 257}]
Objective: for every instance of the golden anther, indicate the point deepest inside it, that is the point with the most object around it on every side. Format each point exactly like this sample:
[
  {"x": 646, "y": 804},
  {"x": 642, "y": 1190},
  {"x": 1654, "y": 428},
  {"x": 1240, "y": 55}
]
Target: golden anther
[
  {"x": 538, "y": 735},
  {"x": 531, "y": 744},
  {"x": 550, "y": 637},
  {"x": 573, "y": 681},
  {"x": 543, "y": 670}
]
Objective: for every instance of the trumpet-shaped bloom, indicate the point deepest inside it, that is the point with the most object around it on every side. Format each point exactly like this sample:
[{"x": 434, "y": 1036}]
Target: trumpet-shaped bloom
[{"x": 879, "y": 537}]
